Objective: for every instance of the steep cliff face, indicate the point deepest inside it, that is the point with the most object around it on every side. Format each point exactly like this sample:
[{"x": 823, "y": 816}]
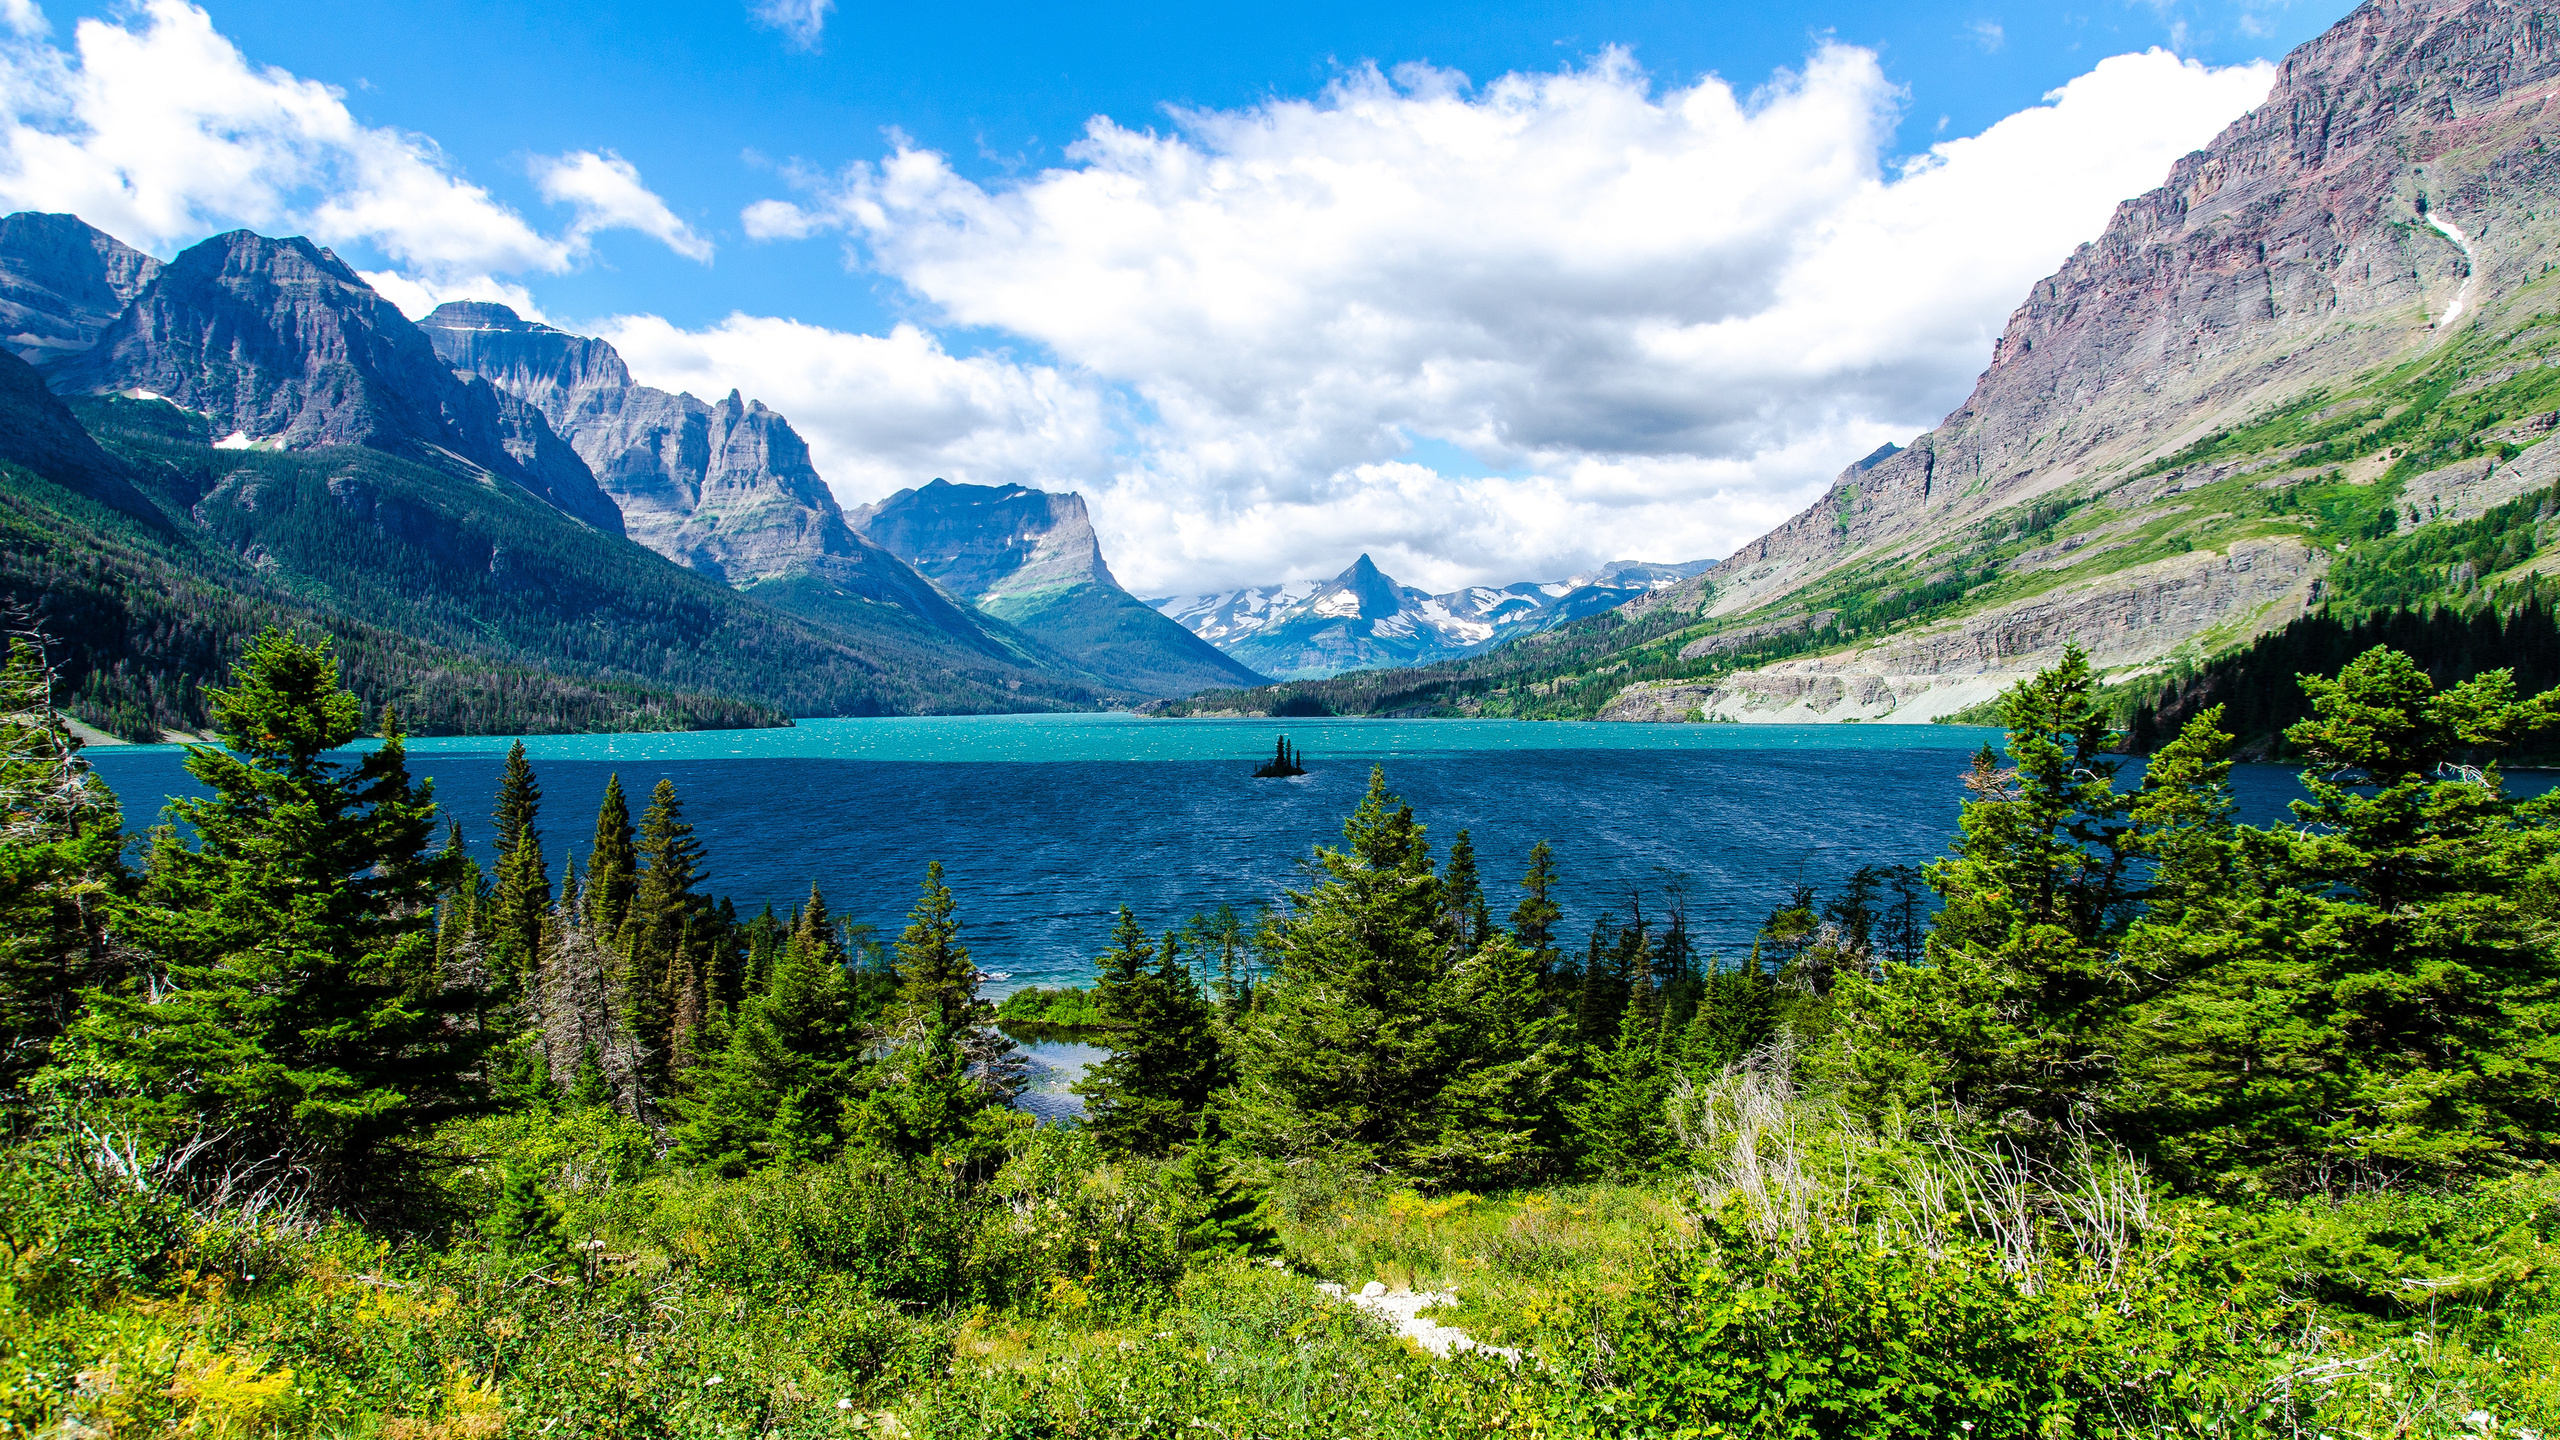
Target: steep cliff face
[
  {"x": 2390, "y": 209},
  {"x": 282, "y": 347},
  {"x": 1030, "y": 558},
  {"x": 727, "y": 489},
  {"x": 62, "y": 281}
]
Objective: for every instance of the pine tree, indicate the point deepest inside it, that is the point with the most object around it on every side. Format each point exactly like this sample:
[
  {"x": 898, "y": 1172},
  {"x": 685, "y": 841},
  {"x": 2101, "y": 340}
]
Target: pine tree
[
  {"x": 1349, "y": 1045},
  {"x": 778, "y": 1089},
  {"x": 1147, "y": 1096},
  {"x": 523, "y": 901},
  {"x": 1623, "y": 1122},
  {"x": 946, "y": 1090},
  {"x": 663, "y": 935},
  {"x": 613, "y": 866},
  {"x": 1737, "y": 1013},
  {"x": 2375, "y": 993},
  {"x": 1229, "y": 1218},
  {"x": 1501, "y": 1114},
  {"x": 2011, "y": 1014},
  {"x": 1534, "y": 920},
  {"x": 303, "y": 1012},
  {"x": 1462, "y": 893}
]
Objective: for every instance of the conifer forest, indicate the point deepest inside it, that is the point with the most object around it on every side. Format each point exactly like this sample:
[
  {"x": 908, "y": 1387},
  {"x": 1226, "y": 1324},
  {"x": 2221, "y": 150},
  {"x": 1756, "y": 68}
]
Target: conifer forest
[{"x": 2121, "y": 1118}]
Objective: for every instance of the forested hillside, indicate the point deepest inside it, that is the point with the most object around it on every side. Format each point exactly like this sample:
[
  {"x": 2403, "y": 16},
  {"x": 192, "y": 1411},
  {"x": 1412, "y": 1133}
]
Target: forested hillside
[{"x": 2121, "y": 1119}]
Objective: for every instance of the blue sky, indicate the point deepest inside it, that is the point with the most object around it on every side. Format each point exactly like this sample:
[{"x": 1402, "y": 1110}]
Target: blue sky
[{"x": 1467, "y": 444}]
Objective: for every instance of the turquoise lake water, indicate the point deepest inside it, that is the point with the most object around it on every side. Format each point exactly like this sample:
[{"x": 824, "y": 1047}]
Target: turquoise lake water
[{"x": 1046, "y": 824}]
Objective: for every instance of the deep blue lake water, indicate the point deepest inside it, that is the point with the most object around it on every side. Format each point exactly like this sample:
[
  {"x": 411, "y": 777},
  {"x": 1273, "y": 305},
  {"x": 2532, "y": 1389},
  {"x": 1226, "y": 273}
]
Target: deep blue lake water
[{"x": 1046, "y": 824}]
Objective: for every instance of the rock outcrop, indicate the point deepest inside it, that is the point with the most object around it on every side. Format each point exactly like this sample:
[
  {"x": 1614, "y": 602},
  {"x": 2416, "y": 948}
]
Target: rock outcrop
[
  {"x": 727, "y": 489},
  {"x": 281, "y": 346},
  {"x": 1031, "y": 558},
  {"x": 62, "y": 282}
]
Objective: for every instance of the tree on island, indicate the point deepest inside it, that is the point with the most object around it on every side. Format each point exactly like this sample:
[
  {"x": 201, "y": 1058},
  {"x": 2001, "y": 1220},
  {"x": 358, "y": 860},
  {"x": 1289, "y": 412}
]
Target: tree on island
[{"x": 1285, "y": 761}]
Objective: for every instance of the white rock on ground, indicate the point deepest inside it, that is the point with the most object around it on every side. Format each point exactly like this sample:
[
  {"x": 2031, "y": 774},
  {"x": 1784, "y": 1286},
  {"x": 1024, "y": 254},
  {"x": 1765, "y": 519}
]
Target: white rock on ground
[{"x": 1403, "y": 1309}]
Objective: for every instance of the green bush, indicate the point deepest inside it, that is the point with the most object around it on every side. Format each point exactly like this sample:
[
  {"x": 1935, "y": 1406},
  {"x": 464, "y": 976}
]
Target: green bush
[{"x": 1848, "y": 1334}]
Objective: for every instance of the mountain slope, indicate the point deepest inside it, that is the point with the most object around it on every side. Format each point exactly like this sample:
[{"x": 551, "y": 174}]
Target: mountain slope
[
  {"x": 2326, "y": 336},
  {"x": 1030, "y": 558},
  {"x": 726, "y": 489}
]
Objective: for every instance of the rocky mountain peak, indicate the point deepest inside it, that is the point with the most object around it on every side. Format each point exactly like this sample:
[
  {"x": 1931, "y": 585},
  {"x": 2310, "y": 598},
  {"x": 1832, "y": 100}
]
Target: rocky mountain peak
[
  {"x": 529, "y": 360},
  {"x": 990, "y": 542},
  {"x": 1367, "y": 590},
  {"x": 62, "y": 281},
  {"x": 278, "y": 344}
]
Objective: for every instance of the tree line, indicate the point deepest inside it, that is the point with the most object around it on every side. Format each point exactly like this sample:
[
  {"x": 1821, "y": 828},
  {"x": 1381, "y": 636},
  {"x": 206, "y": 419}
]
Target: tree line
[{"x": 301, "y": 972}]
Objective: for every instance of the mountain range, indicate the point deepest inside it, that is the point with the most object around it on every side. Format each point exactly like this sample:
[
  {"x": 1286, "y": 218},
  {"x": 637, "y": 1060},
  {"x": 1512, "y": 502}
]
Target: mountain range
[
  {"x": 2311, "y": 370},
  {"x": 501, "y": 528},
  {"x": 1363, "y": 620}
]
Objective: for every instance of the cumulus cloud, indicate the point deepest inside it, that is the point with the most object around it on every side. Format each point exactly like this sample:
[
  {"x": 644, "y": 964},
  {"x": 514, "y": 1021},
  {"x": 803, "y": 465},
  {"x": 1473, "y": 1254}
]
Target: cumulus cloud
[
  {"x": 882, "y": 412},
  {"x": 608, "y": 195},
  {"x": 160, "y": 131},
  {"x": 1669, "y": 315}
]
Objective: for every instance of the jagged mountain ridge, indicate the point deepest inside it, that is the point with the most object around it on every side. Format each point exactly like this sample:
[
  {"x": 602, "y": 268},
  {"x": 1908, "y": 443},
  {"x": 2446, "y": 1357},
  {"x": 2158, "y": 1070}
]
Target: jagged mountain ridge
[
  {"x": 281, "y": 346},
  {"x": 1363, "y": 620},
  {"x": 726, "y": 489},
  {"x": 1031, "y": 558}
]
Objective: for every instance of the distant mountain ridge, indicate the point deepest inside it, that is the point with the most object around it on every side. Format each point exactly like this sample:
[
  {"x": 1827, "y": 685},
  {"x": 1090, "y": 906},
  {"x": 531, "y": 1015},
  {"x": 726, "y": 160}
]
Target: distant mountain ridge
[
  {"x": 1363, "y": 620},
  {"x": 1031, "y": 558},
  {"x": 726, "y": 489}
]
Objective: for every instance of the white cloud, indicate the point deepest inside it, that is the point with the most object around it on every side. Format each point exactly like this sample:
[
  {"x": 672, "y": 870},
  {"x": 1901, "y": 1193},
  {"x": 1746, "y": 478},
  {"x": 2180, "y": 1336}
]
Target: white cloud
[
  {"x": 800, "y": 20},
  {"x": 1679, "y": 311},
  {"x": 608, "y": 195},
  {"x": 1988, "y": 35},
  {"x": 416, "y": 296},
  {"x": 160, "y": 131},
  {"x": 882, "y": 412}
]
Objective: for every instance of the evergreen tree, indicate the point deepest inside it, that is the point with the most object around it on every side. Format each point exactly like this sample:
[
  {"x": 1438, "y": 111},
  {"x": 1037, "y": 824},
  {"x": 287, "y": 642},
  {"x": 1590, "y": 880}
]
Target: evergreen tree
[
  {"x": 1624, "y": 1121},
  {"x": 945, "y": 1091},
  {"x": 1500, "y": 1116},
  {"x": 613, "y": 864},
  {"x": 301, "y": 1009},
  {"x": 523, "y": 900},
  {"x": 1349, "y": 1045},
  {"x": 1737, "y": 1013},
  {"x": 663, "y": 936},
  {"x": 1462, "y": 892},
  {"x": 2011, "y": 1014},
  {"x": 1534, "y": 919},
  {"x": 1229, "y": 1217},
  {"x": 1147, "y": 1096},
  {"x": 778, "y": 1089},
  {"x": 1222, "y": 941},
  {"x": 61, "y": 868},
  {"x": 2375, "y": 993}
]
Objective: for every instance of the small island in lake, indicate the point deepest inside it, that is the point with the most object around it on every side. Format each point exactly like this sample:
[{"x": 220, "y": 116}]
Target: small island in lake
[{"x": 1284, "y": 762}]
